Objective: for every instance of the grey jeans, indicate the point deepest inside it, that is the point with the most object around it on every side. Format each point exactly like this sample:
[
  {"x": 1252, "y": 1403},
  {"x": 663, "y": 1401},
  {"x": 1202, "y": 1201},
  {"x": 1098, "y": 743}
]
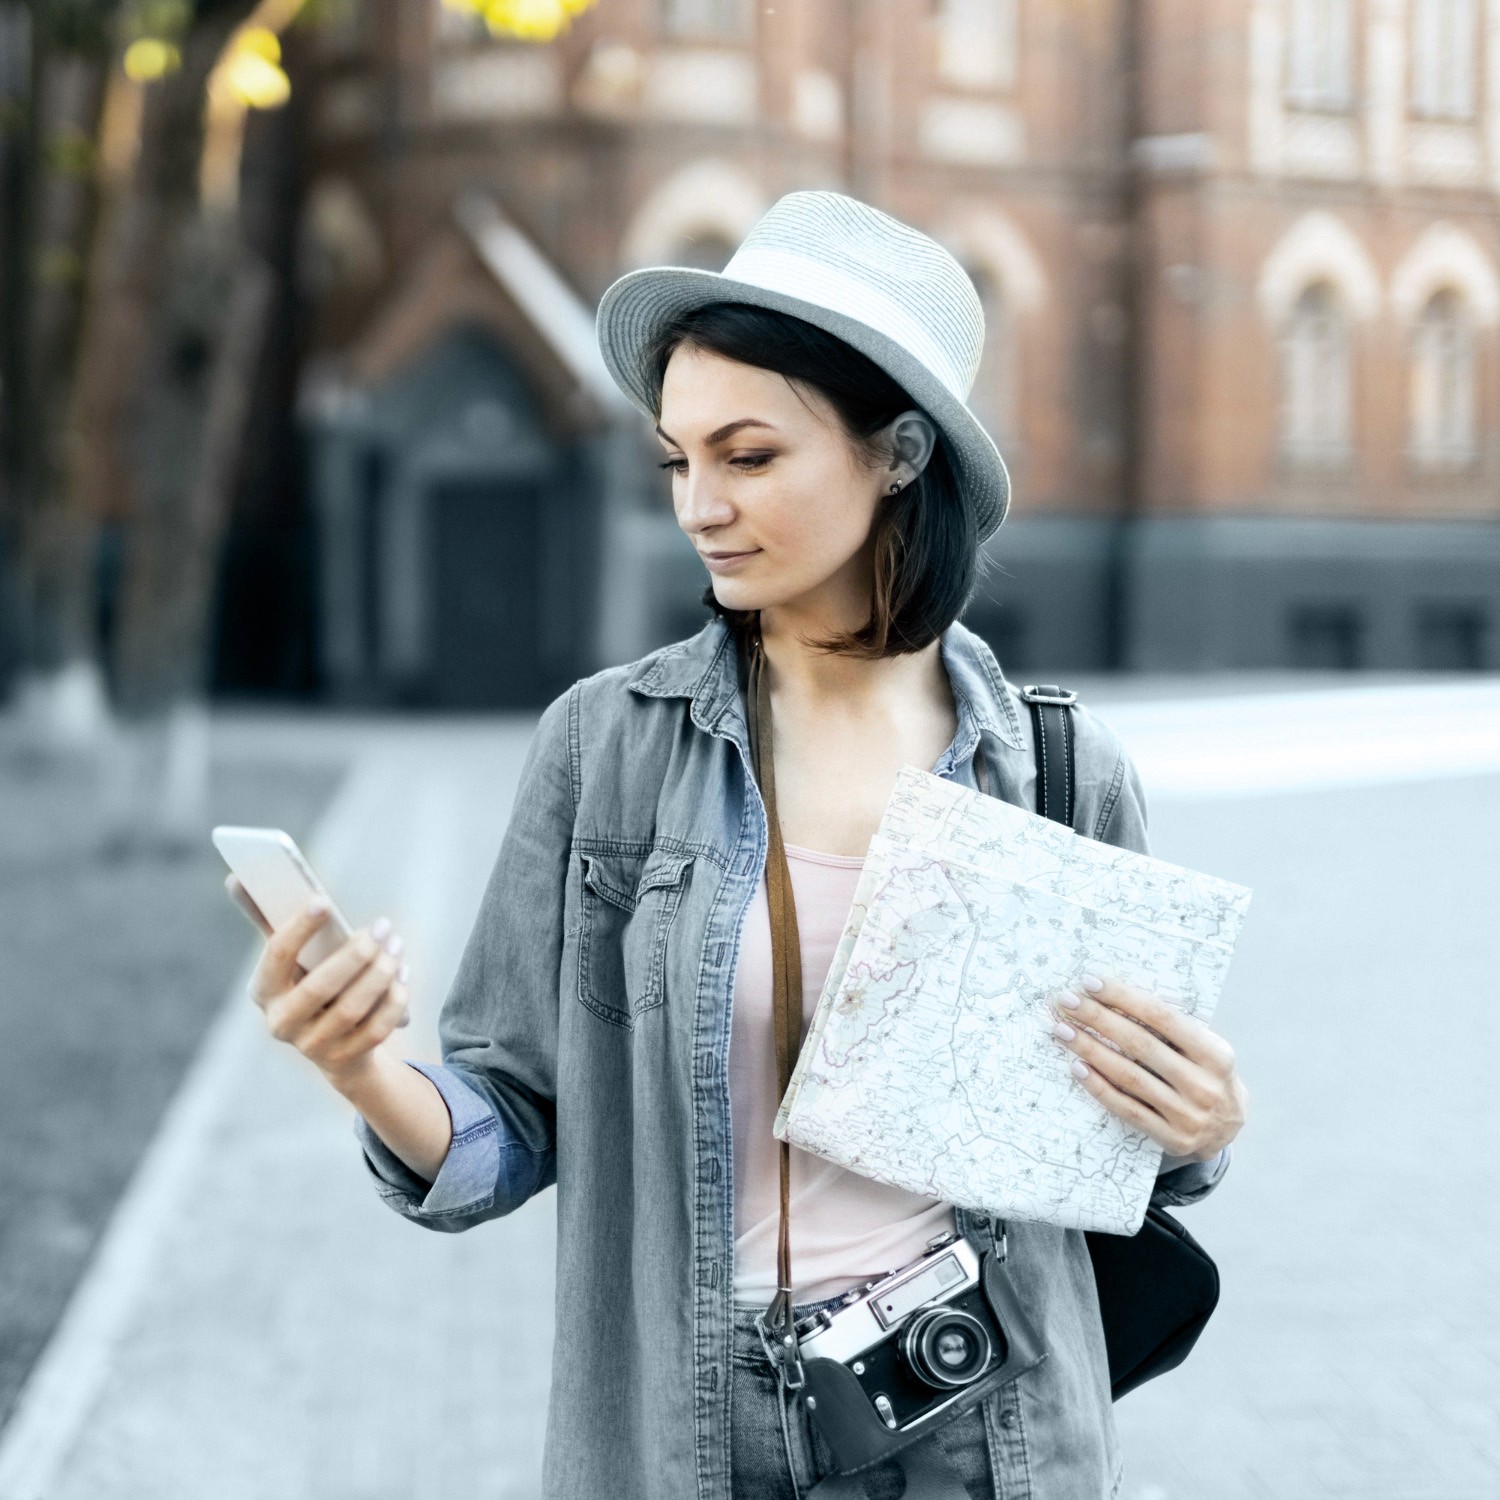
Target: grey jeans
[{"x": 757, "y": 1468}]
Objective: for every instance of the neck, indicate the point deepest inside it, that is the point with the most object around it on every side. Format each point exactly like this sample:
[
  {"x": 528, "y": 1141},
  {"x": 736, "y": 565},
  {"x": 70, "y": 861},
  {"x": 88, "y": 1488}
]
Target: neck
[{"x": 800, "y": 675}]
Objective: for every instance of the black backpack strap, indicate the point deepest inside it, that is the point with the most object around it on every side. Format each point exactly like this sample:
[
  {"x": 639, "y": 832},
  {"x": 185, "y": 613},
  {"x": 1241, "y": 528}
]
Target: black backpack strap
[{"x": 1054, "y": 748}]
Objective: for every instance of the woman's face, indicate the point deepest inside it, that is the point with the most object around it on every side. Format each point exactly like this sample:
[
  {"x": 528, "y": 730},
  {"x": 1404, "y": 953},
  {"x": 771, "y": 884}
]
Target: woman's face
[{"x": 761, "y": 468}]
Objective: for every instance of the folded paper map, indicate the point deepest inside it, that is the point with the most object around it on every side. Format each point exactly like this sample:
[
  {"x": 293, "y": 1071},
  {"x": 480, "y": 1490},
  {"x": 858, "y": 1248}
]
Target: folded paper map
[{"x": 930, "y": 1061}]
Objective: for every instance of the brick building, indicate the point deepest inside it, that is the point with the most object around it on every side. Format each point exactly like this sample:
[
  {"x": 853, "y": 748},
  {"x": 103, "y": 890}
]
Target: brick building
[{"x": 1241, "y": 271}]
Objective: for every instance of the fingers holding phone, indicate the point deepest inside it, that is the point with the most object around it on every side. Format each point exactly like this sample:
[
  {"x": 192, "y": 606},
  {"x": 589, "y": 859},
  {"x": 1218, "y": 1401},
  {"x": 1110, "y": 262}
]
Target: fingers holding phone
[
  {"x": 371, "y": 1004},
  {"x": 342, "y": 1009},
  {"x": 333, "y": 993}
]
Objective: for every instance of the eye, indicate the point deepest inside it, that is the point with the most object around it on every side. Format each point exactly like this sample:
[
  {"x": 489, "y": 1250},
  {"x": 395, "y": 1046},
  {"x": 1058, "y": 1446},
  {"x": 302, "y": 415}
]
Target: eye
[{"x": 747, "y": 463}]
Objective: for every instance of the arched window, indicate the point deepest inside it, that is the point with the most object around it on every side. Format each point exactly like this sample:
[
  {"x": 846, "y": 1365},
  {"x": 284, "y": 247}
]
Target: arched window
[
  {"x": 977, "y": 42},
  {"x": 1443, "y": 50},
  {"x": 705, "y": 18},
  {"x": 1316, "y": 387},
  {"x": 1320, "y": 65},
  {"x": 1442, "y": 384},
  {"x": 992, "y": 398}
]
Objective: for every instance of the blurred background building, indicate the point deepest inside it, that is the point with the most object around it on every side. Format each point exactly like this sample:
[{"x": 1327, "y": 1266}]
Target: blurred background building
[
  {"x": 300, "y": 408},
  {"x": 1240, "y": 265}
]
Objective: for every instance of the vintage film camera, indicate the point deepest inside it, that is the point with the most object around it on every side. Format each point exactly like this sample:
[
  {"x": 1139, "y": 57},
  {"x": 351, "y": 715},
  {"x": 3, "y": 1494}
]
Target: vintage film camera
[{"x": 883, "y": 1368}]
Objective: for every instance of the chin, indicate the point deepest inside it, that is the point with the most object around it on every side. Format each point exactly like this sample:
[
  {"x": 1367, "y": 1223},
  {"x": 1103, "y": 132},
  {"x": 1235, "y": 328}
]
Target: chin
[{"x": 734, "y": 595}]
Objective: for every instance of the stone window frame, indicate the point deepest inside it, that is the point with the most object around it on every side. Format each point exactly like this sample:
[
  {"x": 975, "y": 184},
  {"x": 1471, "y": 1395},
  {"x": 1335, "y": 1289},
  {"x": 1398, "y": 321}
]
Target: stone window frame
[
  {"x": 1442, "y": 405},
  {"x": 960, "y": 46},
  {"x": 1320, "y": 56},
  {"x": 705, "y": 20},
  {"x": 1311, "y": 378},
  {"x": 1445, "y": 48}
]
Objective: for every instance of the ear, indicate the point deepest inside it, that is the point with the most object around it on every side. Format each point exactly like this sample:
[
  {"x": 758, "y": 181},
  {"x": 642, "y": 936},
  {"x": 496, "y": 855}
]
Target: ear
[{"x": 911, "y": 438}]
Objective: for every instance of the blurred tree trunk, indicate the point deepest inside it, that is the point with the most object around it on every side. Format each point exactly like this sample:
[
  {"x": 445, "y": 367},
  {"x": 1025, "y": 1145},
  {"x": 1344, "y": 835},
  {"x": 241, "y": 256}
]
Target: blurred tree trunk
[
  {"x": 131, "y": 344},
  {"x": 192, "y": 426},
  {"x": 175, "y": 334},
  {"x": 52, "y": 201}
]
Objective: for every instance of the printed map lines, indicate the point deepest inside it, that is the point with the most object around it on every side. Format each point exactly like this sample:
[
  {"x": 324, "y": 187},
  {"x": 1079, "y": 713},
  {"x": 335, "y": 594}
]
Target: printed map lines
[{"x": 929, "y": 1063}]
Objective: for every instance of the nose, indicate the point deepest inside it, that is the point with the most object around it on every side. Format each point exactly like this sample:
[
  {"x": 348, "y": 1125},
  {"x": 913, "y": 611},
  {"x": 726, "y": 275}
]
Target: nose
[{"x": 700, "y": 501}]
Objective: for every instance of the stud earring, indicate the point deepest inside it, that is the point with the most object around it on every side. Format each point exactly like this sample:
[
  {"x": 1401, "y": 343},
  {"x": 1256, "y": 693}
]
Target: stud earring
[{"x": 895, "y": 487}]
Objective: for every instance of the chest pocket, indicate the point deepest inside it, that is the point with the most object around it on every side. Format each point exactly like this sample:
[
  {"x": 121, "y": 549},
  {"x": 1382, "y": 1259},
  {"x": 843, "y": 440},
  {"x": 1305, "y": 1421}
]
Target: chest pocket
[{"x": 628, "y": 904}]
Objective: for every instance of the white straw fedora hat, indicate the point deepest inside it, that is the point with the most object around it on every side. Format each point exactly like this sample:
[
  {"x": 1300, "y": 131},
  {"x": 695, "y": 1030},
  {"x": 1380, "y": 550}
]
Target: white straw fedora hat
[{"x": 889, "y": 290}]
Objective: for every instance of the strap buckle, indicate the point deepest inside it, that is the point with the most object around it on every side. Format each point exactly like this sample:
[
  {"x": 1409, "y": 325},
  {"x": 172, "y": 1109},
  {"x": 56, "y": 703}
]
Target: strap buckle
[
  {"x": 992, "y": 1234},
  {"x": 1048, "y": 692},
  {"x": 781, "y": 1345},
  {"x": 1000, "y": 1243}
]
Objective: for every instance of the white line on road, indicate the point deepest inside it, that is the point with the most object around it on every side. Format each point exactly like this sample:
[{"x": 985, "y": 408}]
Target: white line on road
[
  {"x": 64, "y": 1384},
  {"x": 1256, "y": 744}
]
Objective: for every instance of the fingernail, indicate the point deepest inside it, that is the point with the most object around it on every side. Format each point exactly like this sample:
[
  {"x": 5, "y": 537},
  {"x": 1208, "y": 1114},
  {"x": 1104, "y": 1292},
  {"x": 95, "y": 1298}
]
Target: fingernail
[
  {"x": 379, "y": 927},
  {"x": 1092, "y": 982},
  {"x": 394, "y": 944},
  {"x": 402, "y": 973},
  {"x": 317, "y": 906},
  {"x": 1080, "y": 1069},
  {"x": 1063, "y": 1030},
  {"x": 1068, "y": 998}
]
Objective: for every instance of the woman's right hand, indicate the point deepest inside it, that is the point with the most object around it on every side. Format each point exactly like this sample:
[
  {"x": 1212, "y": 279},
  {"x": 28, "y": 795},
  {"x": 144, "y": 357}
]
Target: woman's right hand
[{"x": 337, "y": 1013}]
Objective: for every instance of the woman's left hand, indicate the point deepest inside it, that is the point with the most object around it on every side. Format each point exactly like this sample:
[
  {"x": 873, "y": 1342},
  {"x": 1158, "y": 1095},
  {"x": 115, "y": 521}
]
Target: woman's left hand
[{"x": 1175, "y": 1080}]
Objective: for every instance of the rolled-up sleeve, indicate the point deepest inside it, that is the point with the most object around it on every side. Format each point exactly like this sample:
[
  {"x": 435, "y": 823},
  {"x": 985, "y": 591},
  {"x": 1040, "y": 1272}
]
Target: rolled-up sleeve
[
  {"x": 498, "y": 1025},
  {"x": 467, "y": 1180},
  {"x": 1122, "y": 821},
  {"x": 1179, "y": 1185}
]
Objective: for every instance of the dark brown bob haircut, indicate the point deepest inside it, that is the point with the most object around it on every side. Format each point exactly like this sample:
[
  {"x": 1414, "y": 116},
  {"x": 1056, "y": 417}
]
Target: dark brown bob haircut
[{"x": 926, "y": 562}]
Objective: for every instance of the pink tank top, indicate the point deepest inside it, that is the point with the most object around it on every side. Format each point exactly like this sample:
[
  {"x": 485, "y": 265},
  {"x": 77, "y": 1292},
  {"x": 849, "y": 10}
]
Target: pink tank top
[{"x": 845, "y": 1228}]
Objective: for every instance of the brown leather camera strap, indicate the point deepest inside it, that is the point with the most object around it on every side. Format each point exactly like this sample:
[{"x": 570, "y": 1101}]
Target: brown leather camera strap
[
  {"x": 929, "y": 1474},
  {"x": 786, "y": 958}
]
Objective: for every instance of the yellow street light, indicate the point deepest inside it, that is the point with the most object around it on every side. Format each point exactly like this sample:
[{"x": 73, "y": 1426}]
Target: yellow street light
[
  {"x": 149, "y": 58},
  {"x": 527, "y": 20}
]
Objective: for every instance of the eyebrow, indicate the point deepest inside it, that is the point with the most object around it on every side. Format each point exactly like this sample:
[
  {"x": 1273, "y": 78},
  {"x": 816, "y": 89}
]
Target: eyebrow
[{"x": 720, "y": 433}]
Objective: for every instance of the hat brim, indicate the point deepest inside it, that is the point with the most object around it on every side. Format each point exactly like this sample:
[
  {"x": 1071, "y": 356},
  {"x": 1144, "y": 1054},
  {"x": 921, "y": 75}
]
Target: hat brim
[{"x": 634, "y": 310}]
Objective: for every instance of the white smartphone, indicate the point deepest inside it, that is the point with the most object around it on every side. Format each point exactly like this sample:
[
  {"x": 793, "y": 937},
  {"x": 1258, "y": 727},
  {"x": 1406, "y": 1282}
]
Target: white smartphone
[{"x": 279, "y": 880}]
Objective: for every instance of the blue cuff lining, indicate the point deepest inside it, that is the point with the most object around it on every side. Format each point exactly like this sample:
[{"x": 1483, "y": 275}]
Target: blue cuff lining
[{"x": 467, "y": 1179}]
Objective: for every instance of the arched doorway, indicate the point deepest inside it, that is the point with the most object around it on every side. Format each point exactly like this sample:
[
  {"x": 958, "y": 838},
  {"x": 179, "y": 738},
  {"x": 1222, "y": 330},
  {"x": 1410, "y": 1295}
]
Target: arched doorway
[{"x": 457, "y": 567}]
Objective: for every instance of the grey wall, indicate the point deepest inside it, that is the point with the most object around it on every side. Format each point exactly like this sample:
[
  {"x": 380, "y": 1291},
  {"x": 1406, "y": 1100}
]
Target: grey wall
[
  {"x": 1269, "y": 591},
  {"x": 1193, "y": 594}
]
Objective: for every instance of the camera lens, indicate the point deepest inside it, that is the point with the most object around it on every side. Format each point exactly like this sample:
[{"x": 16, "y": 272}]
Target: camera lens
[
  {"x": 946, "y": 1347},
  {"x": 952, "y": 1348}
]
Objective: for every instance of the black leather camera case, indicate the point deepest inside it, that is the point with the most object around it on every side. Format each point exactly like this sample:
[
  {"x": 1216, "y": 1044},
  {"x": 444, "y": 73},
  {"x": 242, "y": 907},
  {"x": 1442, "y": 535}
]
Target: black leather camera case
[{"x": 857, "y": 1439}]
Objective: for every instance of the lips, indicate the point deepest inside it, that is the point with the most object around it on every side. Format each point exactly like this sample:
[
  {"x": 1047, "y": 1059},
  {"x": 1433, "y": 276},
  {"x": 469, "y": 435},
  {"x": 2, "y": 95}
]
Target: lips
[{"x": 728, "y": 562}]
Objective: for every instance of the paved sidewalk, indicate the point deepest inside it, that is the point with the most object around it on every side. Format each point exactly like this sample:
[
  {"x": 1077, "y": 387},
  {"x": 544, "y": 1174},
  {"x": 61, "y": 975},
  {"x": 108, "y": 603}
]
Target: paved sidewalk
[
  {"x": 113, "y": 968},
  {"x": 258, "y": 1325},
  {"x": 1355, "y": 1352}
]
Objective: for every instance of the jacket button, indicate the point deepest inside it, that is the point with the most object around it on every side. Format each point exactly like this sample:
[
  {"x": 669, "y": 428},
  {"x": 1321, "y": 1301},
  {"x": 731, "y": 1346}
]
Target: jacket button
[{"x": 1007, "y": 1418}]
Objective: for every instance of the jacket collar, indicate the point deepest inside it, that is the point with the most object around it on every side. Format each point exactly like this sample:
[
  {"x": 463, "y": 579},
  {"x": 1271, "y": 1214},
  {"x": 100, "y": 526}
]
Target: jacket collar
[{"x": 703, "y": 668}]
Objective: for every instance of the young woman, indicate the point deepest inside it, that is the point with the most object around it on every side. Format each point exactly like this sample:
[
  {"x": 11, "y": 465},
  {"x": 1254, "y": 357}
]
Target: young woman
[{"x": 609, "y": 1029}]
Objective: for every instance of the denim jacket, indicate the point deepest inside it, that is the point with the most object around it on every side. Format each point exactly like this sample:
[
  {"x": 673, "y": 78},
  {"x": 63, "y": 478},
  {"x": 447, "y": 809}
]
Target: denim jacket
[{"x": 585, "y": 1040}]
